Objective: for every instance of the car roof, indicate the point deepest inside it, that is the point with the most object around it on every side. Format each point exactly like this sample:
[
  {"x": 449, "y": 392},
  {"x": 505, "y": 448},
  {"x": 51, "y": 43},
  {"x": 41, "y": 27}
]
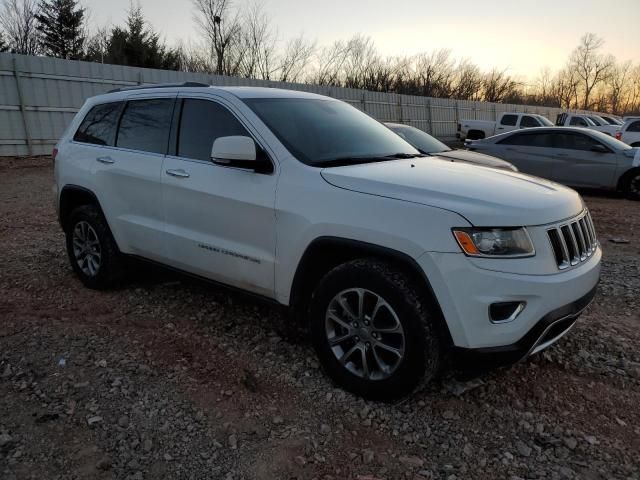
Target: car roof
[
  {"x": 543, "y": 130},
  {"x": 239, "y": 92}
]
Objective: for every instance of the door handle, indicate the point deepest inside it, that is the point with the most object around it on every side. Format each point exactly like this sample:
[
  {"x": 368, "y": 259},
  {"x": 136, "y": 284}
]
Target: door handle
[
  {"x": 178, "y": 173},
  {"x": 107, "y": 160}
]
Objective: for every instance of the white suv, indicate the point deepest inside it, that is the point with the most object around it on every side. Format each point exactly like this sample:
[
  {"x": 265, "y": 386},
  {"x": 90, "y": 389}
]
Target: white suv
[{"x": 391, "y": 257}]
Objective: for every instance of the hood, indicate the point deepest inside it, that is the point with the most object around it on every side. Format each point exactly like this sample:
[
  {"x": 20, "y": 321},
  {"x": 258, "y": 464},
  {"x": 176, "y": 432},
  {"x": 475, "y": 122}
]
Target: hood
[
  {"x": 475, "y": 157},
  {"x": 484, "y": 196}
]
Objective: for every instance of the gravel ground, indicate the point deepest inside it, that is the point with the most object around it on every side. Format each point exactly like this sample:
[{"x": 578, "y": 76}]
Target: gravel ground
[{"x": 172, "y": 378}]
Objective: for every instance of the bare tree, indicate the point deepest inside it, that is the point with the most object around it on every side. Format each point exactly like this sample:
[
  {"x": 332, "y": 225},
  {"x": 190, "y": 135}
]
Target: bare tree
[
  {"x": 591, "y": 66},
  {"x": 296, "y": 58},
  {"x": 221, "y": 26},
  {"x": 330, "y": 64},
  {"x": 498, "y": 86},
  {"x": 468, "y": 82},
  {"x": 617, "y": 83},
  {"x": 18, "y": 20},
  {"x": 258, "y": 42}
]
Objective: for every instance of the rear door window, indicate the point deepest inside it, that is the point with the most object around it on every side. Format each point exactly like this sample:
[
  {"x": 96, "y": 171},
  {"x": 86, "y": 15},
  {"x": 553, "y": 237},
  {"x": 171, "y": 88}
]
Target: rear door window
[
  {"x": 634, "y": 127},
  {"x": 510, "y": 120},
  {"x": 528, "y": 122},
  {"x": 578, "y": 121},
  {"x": 99, "y": 126},
  {"x": 145, "y": 125},
  {"x": 528, "y": 140},
  {"x": 201, "y": 123}
]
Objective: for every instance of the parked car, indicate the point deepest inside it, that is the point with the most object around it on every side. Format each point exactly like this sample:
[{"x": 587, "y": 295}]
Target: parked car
[
  {"x": 573, "y": 156},
  {"x": 426, "y": 144},
  {"x": 391, "y": 259},
  {"x": 629, "y": 133},
  {"x": 585, "y": 121},
  {"x": 611, "y": 120},
  {"x": 476, "y": 129}
]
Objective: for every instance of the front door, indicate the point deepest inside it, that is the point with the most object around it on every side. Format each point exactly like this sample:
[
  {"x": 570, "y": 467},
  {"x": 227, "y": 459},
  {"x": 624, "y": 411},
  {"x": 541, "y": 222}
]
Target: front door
[
  {"x": 577, "y": 164},
  {"x": 219, "y": 220}
]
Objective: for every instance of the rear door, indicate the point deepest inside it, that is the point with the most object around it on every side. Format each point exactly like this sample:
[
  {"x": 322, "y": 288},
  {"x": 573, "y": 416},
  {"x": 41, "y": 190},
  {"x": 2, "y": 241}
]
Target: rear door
[
  {"x": 220, "y": 220},
  {"x": 507, "y": 123},
  {"x": 577, "y": 164},
  {"x": 528, "y": 151},
  {"x": 127, "y": 175}
]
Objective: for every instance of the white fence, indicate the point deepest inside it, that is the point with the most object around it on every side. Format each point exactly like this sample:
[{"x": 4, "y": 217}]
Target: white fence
[{"x": 39, "y": 96}]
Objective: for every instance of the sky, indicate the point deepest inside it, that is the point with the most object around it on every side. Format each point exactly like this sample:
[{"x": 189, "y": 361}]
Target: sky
[{"x": 522, "y": 36}]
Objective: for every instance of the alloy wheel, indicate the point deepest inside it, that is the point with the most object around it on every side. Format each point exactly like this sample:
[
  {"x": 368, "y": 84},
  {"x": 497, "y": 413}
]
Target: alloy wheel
[
  {"x": 86, "y": 248},
  {"x": 365, "y": 334}
]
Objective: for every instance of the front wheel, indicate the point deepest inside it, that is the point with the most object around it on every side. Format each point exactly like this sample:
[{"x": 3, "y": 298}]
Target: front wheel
[
  {"x": 372, "y": 331},
  {"x": 632, "y": 185}
]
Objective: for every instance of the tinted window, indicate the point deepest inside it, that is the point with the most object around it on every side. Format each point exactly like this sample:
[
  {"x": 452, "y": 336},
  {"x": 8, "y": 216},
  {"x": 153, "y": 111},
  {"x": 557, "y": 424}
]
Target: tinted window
[
  {"x": 634, "y": 127},
  {"x": 99, "y": 126},
  {"x": 318, "y": 131},
  {"x": 528, "y": 140},
  {"x": 509, "y": 120},
  {"x": 201, "y": 123},
  {"x": 419, "y": 139},
  {"x": 578, "y": 121},
  {"x": 145, "y": 125},
  {"x": 528, "y": 121},
  {"x": 574, "y": 141}
]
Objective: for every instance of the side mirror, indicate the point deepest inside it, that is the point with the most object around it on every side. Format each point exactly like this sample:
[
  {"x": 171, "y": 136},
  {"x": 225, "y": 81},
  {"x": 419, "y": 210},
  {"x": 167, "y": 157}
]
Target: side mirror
[
  {"x": 235, "y": 150},
  {"x": 599, "y": 149}
]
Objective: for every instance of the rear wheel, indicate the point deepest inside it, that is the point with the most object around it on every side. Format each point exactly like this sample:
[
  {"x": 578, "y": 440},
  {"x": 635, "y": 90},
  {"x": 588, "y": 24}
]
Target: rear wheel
[
  {"x": 92, "y": 251},
  {"x": 373, "y": 333}
]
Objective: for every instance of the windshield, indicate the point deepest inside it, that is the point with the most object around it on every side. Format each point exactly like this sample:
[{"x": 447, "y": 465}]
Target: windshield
[
  {"x": 545, "y": 121},
  {"x": 612, "y": 121},
  {"x": 424, "y": 142},
  {"x": 328, "y": 132}
]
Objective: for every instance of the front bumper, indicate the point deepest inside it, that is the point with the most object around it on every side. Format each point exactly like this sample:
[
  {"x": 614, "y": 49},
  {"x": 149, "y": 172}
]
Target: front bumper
[
  {"x": 551, "y": 328},
  {"x": 465, "y": 292}
]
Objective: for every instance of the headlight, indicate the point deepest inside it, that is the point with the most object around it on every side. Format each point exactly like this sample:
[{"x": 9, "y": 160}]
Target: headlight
[{"x": 494, "y": 242}]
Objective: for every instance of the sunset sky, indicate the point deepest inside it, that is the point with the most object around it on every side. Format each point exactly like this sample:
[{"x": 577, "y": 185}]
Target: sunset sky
[{"x": 521, "y": 36}]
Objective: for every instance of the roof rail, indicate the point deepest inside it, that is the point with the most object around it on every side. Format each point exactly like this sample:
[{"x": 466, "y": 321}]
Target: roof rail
[{"x": 160, "y": 85}]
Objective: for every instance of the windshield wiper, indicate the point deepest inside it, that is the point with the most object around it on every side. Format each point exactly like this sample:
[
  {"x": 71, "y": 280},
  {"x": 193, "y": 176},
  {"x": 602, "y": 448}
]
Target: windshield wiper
[{"x": 345, "y": 161}]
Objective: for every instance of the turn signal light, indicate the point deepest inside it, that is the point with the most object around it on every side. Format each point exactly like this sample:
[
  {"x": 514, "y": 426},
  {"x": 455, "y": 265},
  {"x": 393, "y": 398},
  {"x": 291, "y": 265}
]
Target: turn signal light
[{"x": 465, "y": 242}]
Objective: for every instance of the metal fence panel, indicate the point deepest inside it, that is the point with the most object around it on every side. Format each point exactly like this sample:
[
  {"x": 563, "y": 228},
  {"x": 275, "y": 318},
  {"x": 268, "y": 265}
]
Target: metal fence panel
[{"x": 39, "y": 97}]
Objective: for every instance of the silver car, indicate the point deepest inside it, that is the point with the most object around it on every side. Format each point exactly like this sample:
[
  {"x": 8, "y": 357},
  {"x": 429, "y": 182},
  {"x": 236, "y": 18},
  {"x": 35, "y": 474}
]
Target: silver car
[
  {"x": 425, "y": 143},
  {"x": 573, "y": 156}
]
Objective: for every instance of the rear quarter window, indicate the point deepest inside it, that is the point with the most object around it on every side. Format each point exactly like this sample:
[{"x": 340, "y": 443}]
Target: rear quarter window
[{"x": 99, "y": 125}]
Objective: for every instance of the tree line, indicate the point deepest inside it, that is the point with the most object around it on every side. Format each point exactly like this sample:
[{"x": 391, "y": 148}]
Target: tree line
[{"x": 241, "y": 41}]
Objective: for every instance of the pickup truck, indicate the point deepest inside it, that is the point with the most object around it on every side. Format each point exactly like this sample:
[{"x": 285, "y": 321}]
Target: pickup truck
[
  {"x": 585, "y": 121},
  {"x": 478, "y": 129}
]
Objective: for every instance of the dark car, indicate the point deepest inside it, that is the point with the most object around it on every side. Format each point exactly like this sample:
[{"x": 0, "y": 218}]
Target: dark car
[{"x": 426, "y": 144}]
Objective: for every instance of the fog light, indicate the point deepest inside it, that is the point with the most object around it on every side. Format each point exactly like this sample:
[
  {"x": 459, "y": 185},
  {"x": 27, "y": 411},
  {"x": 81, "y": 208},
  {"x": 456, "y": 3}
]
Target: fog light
[{"x": 503, "y": 312}]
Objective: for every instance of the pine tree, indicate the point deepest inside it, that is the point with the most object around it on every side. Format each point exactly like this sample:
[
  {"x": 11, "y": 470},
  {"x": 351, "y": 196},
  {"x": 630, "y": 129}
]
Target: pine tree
[
  {"x": 138, "y": 46},
  {"x": 60, "y": 23}
]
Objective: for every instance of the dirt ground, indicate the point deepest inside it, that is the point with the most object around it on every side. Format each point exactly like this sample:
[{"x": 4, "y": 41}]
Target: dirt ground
[{"x": 168, "y": 377}]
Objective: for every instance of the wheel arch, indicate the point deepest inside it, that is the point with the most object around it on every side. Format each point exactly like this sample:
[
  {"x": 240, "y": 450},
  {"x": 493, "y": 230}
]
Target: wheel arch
[
  {"x": 72, "y": 197},
  {"x": 325, "y": 253},
  {"x": 624, "y": 178}
]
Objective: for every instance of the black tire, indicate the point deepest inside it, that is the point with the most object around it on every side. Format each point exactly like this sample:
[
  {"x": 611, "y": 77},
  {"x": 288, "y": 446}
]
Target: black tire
[
  {"x": 422, "y": 347},
  {"x": 631, "y": 184},
  {"x": 110, "y": 269}
]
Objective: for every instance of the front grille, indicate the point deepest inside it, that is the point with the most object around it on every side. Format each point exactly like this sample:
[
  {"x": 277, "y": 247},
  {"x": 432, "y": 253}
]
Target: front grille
[{"x": 573, "y": 242}]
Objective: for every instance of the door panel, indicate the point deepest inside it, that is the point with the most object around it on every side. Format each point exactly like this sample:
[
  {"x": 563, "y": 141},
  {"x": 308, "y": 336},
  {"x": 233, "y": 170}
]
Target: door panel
[
  {"x": 577, "y": 165},
  {"x": 219, "y": 220},
  {"x": 528, "y": 151}
]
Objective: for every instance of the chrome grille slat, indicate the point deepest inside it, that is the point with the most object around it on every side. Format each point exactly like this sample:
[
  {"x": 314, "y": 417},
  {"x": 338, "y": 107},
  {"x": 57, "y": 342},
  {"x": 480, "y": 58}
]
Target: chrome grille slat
[{"x": 573, "y": 241}]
